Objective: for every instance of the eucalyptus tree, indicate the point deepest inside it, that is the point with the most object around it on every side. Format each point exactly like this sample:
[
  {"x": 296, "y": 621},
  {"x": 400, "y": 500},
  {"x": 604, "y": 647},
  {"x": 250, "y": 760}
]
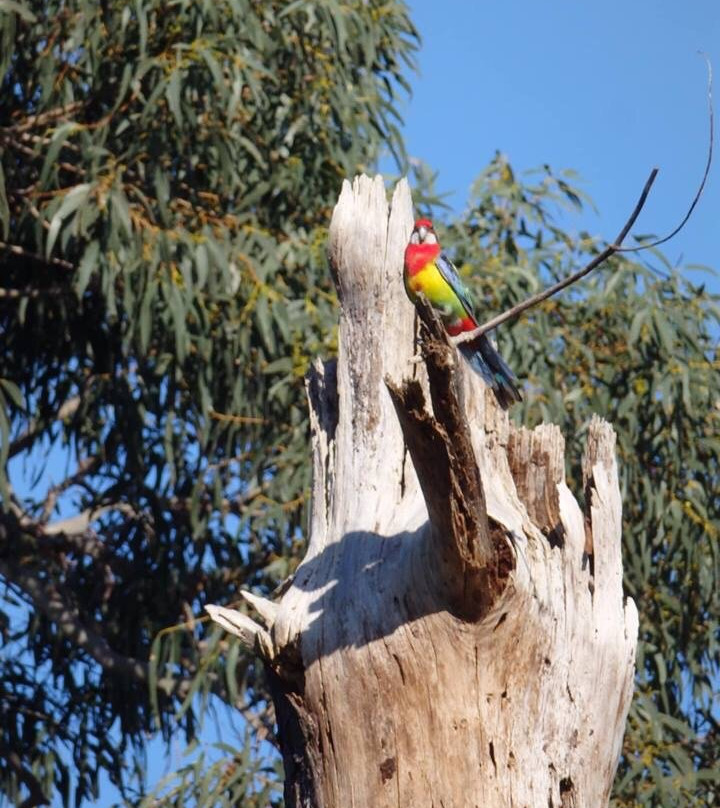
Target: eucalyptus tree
[{"x": 166, "y": 176}]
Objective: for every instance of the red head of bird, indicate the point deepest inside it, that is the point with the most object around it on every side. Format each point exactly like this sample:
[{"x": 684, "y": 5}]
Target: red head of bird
[
  {"x": 423, "y": 233},
  {"x": 422, "y": 248}
]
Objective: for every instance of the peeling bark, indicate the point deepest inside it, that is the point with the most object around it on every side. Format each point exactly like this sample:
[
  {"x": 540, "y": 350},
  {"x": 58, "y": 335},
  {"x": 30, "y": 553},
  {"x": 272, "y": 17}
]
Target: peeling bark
[{"x": 445, "y": 641}]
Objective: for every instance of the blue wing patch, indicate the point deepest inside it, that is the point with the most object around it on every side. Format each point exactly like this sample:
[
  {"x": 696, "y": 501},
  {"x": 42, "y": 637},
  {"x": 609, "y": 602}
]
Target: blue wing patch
[{"x": 447, "y": 269}]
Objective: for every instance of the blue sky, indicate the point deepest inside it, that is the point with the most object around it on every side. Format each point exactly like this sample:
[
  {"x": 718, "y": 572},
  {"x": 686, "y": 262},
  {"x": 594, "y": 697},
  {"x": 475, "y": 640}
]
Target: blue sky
[{"x": 609, "y": 89}]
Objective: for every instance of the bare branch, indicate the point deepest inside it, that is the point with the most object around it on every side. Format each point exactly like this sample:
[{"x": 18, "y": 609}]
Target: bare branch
[
  {"x": 16, "y": 249},
  {"x": 78, "y": 524},
  {"x": 7, "y": 141},
  {"x": 27, "y": 536},
  {"x": 611, "y": 249},
  {"x": 251, "y": 634},
  {"x": 87, "y": 544},
  {"x": 67, "y": 410},
  {"x": 50, "y": 601},
  {"x": 237, "y": 419},
  {"x": 75, "y": 525},
  {"x": 42, "y": 118},
  {"x": 267, "y": 609},
  {"x": 86, "y": 466},
  {"x": 56, "y": 606}
]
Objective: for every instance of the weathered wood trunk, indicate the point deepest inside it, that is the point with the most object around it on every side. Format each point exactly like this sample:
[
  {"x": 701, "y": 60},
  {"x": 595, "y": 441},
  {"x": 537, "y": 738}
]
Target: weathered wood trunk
[{"x": 457, "y": 634}]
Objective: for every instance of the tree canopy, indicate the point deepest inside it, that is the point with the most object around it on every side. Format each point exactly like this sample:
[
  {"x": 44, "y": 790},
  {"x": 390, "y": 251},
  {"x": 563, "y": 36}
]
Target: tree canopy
[
  {"x": 167, "y": 173},
  {"x": 167, "y": 176}
]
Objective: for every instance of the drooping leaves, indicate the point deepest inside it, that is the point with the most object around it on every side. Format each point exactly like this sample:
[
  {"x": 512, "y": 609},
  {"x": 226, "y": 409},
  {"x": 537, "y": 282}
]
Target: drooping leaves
[{"x": 166, "y": 176}]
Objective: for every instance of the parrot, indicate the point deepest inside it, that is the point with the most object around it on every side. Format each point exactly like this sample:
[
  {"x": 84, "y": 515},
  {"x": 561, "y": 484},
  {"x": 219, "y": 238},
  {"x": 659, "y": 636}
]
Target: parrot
[{"x": 429, "y": 271}]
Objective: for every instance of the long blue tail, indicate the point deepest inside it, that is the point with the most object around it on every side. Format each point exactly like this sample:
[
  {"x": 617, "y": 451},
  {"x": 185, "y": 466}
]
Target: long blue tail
[{"x": 487, "y": 363}]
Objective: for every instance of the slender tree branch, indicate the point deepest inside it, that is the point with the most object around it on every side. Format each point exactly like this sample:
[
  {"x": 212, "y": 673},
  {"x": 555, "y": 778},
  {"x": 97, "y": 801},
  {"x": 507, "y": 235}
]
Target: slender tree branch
[
  {"x": 15, "y": 249},
  {"x": 88, "y": 465},
  {"x": 50, "y": 601},
  {"x": 67, "y": 410},
  {"x": 611, "y": 249},
  {"x": 38, "y": 217},
  {"x": 42, "y": 118},
  {"x": 26, "y": 536},
  {"x": 86, "y": 544},
  {"x": 615, "y": 246},
  {"x": 78, "y": 524},
  {"x": 37, "y": 795},
  {"x": 11, "y": 143},
  {"x": 50, "y": 598}
]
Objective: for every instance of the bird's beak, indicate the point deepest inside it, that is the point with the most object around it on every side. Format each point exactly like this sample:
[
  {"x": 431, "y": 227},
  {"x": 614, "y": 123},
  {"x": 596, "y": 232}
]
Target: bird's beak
[{"x": 422, "y": 232}]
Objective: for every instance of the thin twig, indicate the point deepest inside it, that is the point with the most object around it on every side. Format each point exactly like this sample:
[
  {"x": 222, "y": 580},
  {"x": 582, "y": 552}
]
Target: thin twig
[
  {"x": 54, "y": 603},
  {"x": 636, "y": 212},
  {"x": 36, "y": 427},
  {"x": 44, "y": 117},
  {"x": 237, "y": 419},
  {"x": 611, "y": 249},
  {"x": 469, "y": 336},
  {"x": 8, "y": 141},
  {"x": 31, "y": 292},
  {"x": 86, "y": 466},
  {"x": 37, "y": 795},
  {"x": 16, "y": 249}
]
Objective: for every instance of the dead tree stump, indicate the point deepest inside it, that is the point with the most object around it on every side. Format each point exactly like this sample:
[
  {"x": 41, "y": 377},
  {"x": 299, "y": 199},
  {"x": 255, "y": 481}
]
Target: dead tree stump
[{"x": 457, "y": 633}]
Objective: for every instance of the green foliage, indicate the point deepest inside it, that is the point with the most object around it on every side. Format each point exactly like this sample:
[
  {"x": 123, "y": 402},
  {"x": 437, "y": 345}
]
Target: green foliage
[
  {"x": 237, "y": 778},
  {"x": 167, "y": 175},
  {"x": 637, "y": 342}
]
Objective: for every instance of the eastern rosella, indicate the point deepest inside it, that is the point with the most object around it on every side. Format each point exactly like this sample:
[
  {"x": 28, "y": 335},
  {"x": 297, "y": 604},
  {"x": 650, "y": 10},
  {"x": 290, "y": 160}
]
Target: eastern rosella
[{"x": 430, "y": 271}]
